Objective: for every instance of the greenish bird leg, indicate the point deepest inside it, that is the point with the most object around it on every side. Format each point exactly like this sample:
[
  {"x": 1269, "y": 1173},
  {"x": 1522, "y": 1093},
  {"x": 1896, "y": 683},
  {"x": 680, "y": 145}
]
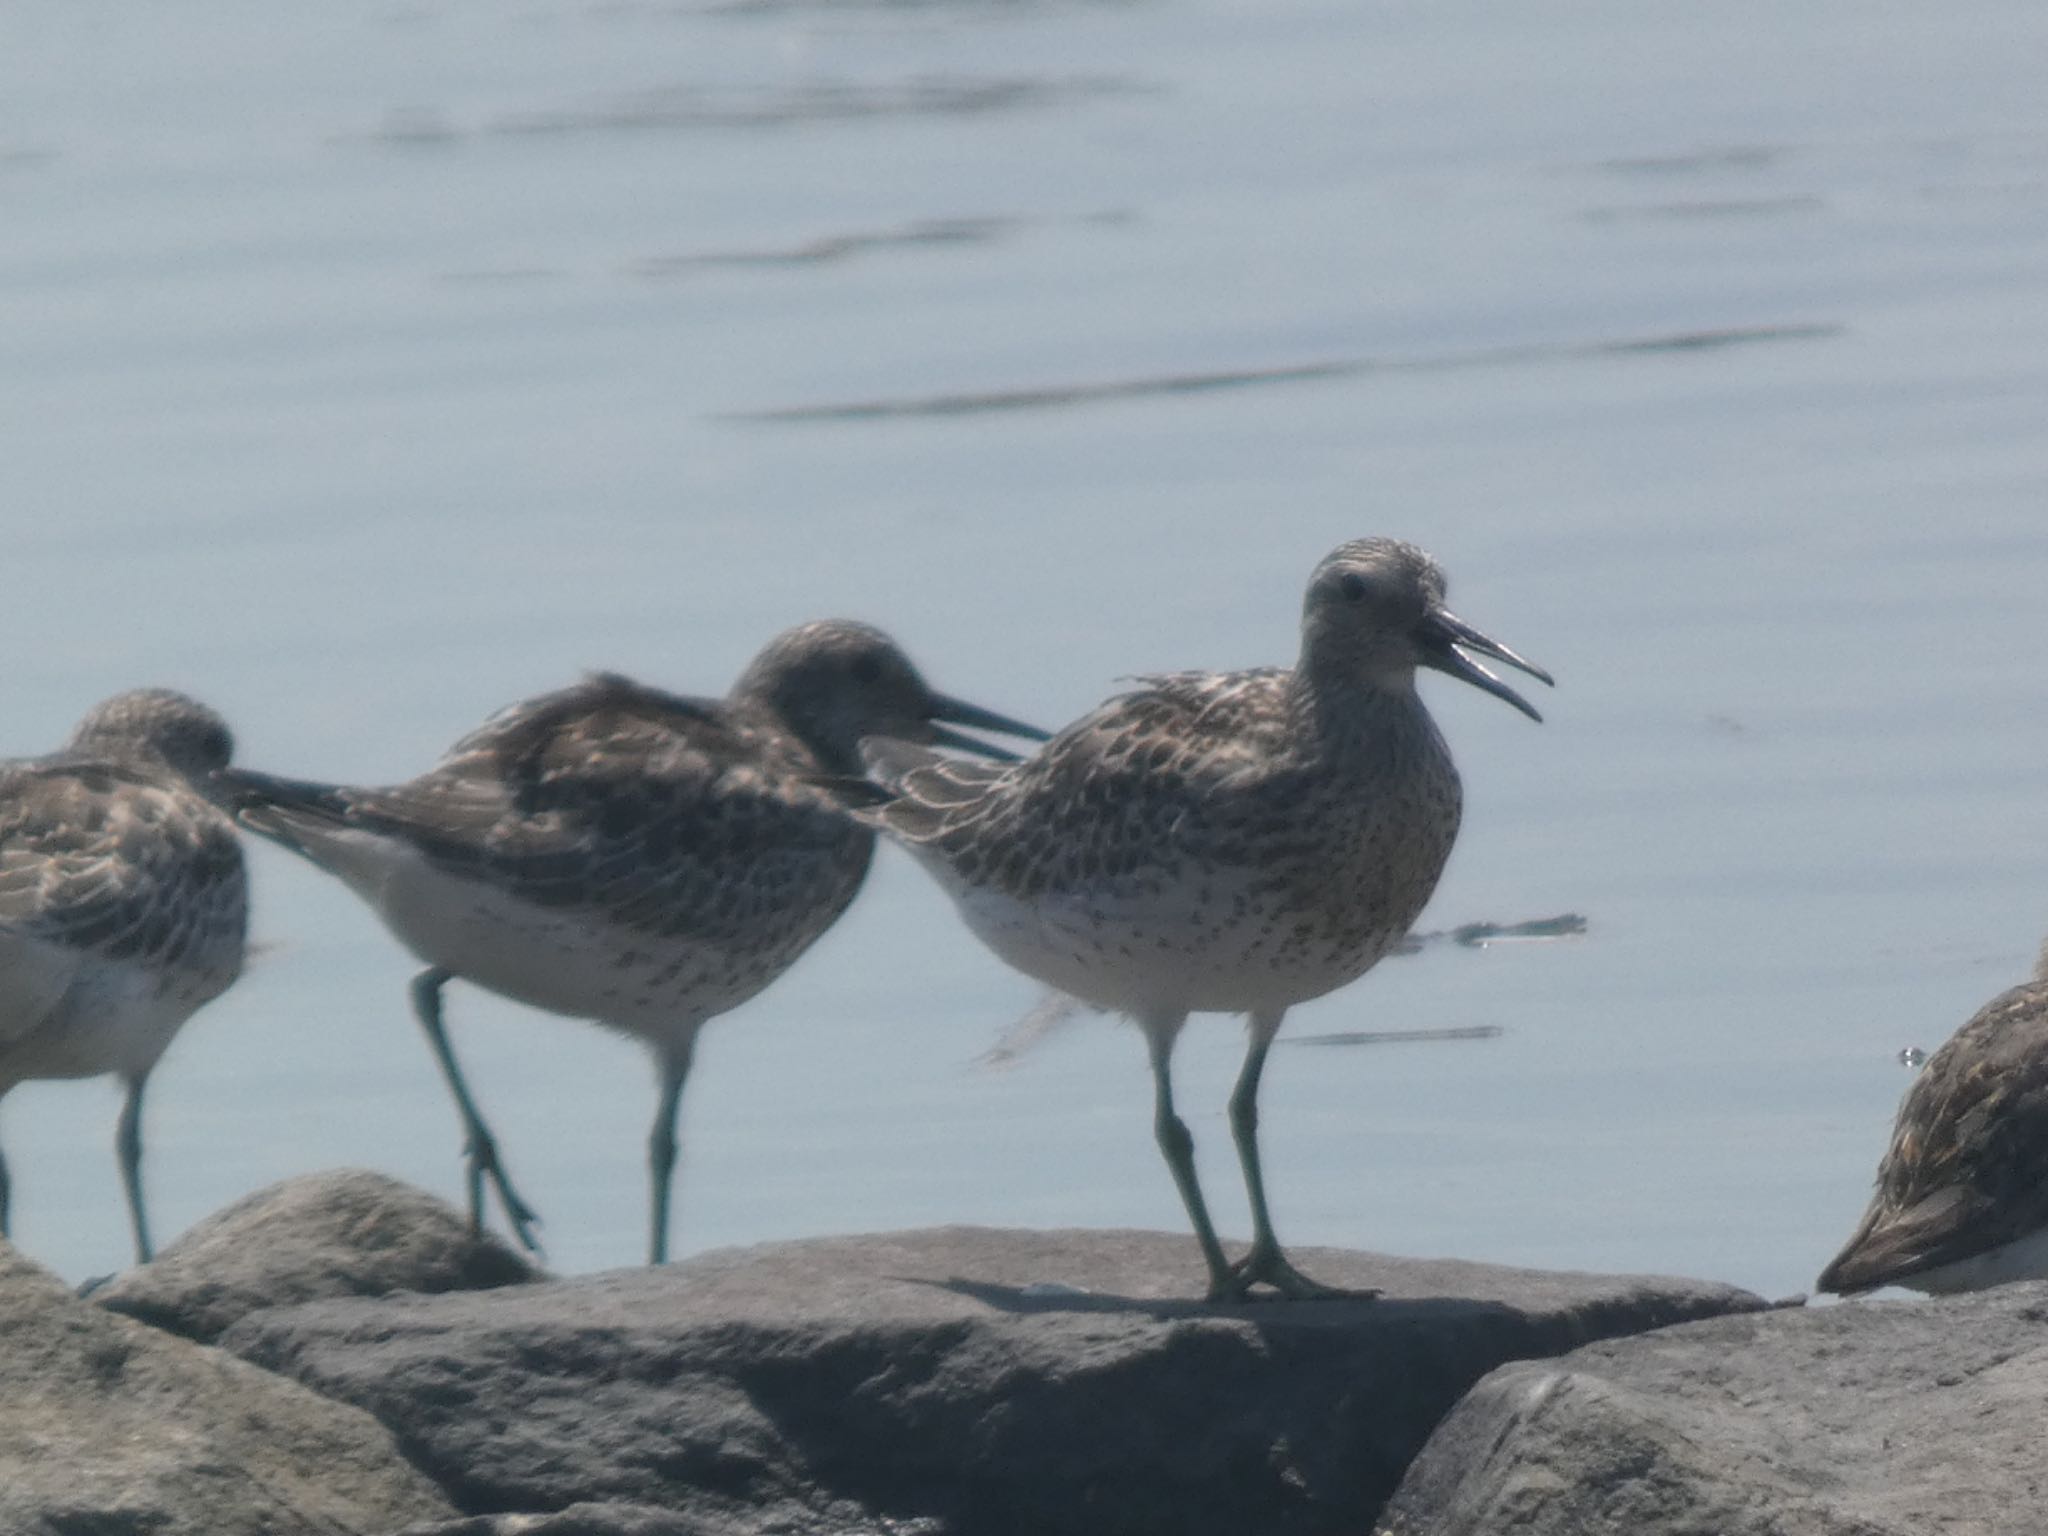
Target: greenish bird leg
[
  {"x": 480, "y": 1147},
  {"x": 661, "y": 1142},
  {"x": 1266, "y": 1262},
  {"x": 1178, "y": 1147},
  {"x": 128, "y": 1151}
]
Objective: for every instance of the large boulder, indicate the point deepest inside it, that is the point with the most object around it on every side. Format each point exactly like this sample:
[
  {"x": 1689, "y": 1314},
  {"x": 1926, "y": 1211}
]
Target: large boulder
[
  {"x": 638, "y": 1520},
  {"x": 1867, "y": 1419},
  {"x": 345, "y": 1233},
  {"x": 107, "y": 1426},
  {"x": 985, "y": 1381}
]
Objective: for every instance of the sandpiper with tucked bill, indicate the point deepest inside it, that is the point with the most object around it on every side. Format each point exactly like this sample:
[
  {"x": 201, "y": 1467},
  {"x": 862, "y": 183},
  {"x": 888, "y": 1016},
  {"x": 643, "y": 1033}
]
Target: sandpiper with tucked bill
[
  {"x": 617, "y": 853},
  {"x": 1962, "y": 1192},
  {"x": 123, "y": 905},
  {"x": 1230, "y": 842}
]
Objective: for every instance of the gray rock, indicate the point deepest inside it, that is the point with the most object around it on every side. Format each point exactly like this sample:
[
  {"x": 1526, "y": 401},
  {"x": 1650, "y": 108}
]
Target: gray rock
[
  {"x": 108, "y": 1427},
  {"x": 1867, "y": 1419},
  {"x": 345, "y": 1233},
  {"x": 988, "y": 1381},
  {"x": 638, "y": 1520},
  {"x": 576, "y": 1520}
]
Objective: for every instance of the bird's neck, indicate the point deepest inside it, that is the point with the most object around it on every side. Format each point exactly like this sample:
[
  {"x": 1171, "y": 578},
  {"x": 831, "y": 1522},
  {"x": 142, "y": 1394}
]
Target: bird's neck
[{"x": 1346, "y": 695}]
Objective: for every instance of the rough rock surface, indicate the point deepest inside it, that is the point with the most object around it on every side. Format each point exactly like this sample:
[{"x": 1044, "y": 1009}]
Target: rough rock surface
[
  {"x": 346, "y": 1233},
  {"x": 1867, "y": 1419},
  {"x": 108, "y": 1428},
  {"x": 639, "y": 1520},
  {"x": 985, "y": 1381}
]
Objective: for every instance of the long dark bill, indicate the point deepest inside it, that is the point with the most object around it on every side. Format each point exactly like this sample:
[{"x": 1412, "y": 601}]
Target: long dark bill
[
  {"x": 1445, "y": 638},
  {"x": 960, "y": 712},
  {"x": 240, "y": 789}
]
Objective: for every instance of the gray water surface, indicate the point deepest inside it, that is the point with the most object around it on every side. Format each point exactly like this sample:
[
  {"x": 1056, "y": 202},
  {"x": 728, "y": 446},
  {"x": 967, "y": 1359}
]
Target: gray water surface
[{"x": 366, "y": 369}]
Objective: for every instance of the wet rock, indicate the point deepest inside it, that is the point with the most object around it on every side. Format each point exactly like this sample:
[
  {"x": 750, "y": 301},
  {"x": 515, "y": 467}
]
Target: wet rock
[
  {"x": 107, "y": 1426},
  {"x": 345, "y": 1233},
  {"x": 1866, "y": 1419},
  {"x": 972, "y": 1380}
]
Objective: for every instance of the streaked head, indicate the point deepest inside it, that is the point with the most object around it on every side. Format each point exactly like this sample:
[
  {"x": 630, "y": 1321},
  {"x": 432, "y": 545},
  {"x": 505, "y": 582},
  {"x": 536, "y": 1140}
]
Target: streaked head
[
  {"x": 158, "y": 724},
  {"x": 834, "y": 681},
  {"x": 1376, "y": 607}
]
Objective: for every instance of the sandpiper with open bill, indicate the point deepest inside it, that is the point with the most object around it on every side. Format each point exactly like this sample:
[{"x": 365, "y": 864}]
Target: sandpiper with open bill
[
  {"x": 1232, "y": 842},
  {"x": 1962, "y": 1192},
  {"x": 123, "y": 904},
  {"x": 621, "y": 854}
]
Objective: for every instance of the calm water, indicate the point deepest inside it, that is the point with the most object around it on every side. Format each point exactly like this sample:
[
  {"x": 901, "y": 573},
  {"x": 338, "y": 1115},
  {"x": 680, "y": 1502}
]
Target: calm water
[{"x": 366, "y": 369}]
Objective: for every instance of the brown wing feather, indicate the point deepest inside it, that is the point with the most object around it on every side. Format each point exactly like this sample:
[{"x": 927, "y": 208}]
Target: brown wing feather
[
  {"x": 642, "y": 804},
  {"x": 1175, "y": 762},
  {"x": 519, "y": 741},
  {"x": 121, "y": 861},
  {"x": 1967, "y": 1168}
]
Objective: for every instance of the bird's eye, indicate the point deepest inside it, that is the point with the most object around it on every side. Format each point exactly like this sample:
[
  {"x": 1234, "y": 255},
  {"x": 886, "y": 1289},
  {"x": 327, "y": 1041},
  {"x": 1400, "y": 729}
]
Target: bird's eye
[
  {"x": 1352, "y": 585},
  {"x": 866, "y": 669}
]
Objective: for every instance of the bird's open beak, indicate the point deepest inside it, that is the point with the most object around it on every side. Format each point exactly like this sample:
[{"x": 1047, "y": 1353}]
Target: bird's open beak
[
  {"x": 1445, "y": 638},
  {"x": 960, "y": 712}
]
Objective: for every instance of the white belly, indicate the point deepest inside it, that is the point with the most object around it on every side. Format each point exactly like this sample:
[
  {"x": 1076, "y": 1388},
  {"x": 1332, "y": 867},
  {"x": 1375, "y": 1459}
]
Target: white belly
[
  {"x": 1169, "y": 953},
  {"x": 2025, "y": 1258},
  {"x": 568, "y": 960},
  {"x": 106, "y": 1016}
]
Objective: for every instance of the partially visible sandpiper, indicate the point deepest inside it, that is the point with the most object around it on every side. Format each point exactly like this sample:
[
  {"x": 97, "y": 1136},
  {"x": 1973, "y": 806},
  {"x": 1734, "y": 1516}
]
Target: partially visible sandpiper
[
  {"x": 123, "y": 904},
  {"x": 1231, "y": 842},
  {"x": 617, "y": 853},
  {"x": 1962, "y": 1193}
]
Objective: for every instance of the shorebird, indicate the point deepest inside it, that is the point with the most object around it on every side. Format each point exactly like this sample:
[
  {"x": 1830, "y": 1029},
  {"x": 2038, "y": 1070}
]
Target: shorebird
[
  {"x": 1962, "y": 1193},
  {"x": 1231, "y": 842},
  {"x": 123, "y": 904},
  {"x": 617, "y": 853}
]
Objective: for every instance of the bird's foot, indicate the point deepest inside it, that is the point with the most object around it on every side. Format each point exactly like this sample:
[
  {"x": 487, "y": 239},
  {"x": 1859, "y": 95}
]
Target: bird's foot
[
  {"x": 484, "y": 1163},
  {"x": 1267, "y": 1265}
]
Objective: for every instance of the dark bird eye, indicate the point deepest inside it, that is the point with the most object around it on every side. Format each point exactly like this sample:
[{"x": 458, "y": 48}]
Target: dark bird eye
[
  {"x": 866, "y": 669},
  {"x": 1352, "y": 585}
]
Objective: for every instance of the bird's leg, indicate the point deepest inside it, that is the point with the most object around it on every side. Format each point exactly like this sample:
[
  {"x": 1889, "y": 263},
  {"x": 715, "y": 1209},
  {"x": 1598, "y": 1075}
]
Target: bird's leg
[
  {"x": 128, "y": 1151},
  {"x": 6, "y": 1194},
  {"x": 1266, "y": 1262},
  {"x": 661, "y": 1142},
  {"x": 480, "y": 1147},
  {"x": 1179, "y": 1149}
]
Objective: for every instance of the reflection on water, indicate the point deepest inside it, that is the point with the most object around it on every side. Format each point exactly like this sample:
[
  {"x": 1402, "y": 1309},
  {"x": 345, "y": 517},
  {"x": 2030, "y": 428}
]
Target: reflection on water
[
  {"x": 1400, "y": 1036},
  {"x": 1039, "y": 397},
  {"x": 1713, "y": 208},
  {"x": 837, "y": 247},
  {"x": 1535, "y": 930},
  {"x": 367, "y": 370},
  {"x": 702, "y": 106}
]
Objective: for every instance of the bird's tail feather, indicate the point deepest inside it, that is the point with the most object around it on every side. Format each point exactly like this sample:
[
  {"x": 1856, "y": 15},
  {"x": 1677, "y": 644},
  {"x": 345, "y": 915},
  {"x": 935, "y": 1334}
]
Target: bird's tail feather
[
  {"x": 855, "y": 796},
  {"x": 880, "y": 800},
  {"x": 922, "y": 786},
  {"x": 891, "y": 762}
]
